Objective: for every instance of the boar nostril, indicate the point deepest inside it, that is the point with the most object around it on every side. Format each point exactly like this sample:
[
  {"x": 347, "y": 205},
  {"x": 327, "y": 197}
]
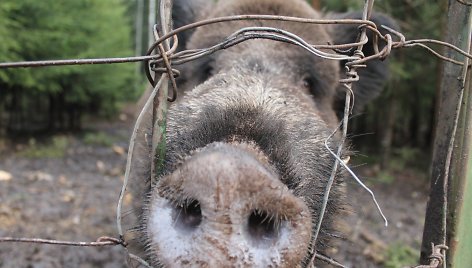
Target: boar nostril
[
  {"x": 262, "y": 227},
  {"x": 187, "y": 216}
]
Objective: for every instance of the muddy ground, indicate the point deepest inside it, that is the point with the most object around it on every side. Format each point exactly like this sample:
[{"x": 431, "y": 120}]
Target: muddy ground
[{"x": 74, "y": 198}]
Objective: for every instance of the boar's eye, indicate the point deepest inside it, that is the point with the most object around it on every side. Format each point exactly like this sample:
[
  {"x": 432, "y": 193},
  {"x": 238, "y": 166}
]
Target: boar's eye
[
  {"x": 310, "y": 85},
  {"x": 205, "y": 70},
  {"x": 199, "y": 70}
]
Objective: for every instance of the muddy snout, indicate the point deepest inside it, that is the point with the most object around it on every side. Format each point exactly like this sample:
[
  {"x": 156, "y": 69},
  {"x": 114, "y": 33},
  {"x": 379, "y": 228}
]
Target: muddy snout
[{"x": 225, "y": 206}]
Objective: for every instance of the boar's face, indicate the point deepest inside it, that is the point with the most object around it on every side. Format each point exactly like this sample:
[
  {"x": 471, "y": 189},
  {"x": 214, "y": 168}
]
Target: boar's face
[{"x": 246, "y": 166}]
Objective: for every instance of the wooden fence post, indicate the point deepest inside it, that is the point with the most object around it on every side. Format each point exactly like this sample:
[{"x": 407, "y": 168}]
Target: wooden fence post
[
  {"x": 160, "y": 100},
  {"x": 459, "y": 231},
  {"x": 451, "y": 178}
]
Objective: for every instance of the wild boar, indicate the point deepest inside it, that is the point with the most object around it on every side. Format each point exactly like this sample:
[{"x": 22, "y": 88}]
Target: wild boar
[{"x": 246, "y": 167}]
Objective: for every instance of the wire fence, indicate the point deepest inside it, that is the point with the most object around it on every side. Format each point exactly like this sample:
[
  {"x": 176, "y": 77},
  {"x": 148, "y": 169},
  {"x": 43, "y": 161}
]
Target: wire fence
[{"x": 161, "y": 58}]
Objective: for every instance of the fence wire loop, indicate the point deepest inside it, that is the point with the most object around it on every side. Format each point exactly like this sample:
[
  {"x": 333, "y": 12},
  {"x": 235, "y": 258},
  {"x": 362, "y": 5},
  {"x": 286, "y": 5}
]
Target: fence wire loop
[
  {"x": 165, "y": 64},
  {"x": 437, "y": 257},
  {"x": 175, "y": 72},
  {"x": 151, "y": 57},
  {"x": 437, "y": 254},
  {"x": 341, "y": 51},
  {"x": 402, "y": 37},
  {"x": 386, "y": 53}
]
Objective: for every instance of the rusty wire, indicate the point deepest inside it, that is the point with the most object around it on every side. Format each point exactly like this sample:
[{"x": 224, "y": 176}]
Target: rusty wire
[
  {"x": 189, "y": 54},
  {"x": 351, "y": 76},
  {"x": 101, "y": 241},
  {"x": 436, "y": 258},
  {"x": 166, "y": 57}
]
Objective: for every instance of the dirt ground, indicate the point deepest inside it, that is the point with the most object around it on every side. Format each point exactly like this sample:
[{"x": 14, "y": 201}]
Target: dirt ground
[
  {"x": 368, "y": 243},
  {"x": 74, "y": 198}
]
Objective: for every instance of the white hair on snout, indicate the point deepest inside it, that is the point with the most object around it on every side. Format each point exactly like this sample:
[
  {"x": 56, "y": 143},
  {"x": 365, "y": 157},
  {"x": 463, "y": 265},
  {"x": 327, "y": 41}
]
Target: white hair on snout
[
  {"x": 164, "y": 237},
  {"x": 177, "y": 245},
  {"x": 228, "y": 197}
]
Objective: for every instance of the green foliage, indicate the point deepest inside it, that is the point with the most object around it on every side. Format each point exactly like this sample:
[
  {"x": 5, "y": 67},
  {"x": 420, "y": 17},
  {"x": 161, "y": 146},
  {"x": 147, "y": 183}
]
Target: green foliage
[
  {"x": 55, "y": 148},
  {"x": 59, "y": 29},
  {"x": 407, "y": 157},
  {"x": 385, "y": 177},
  {"x": 98, "y": 138},
  {"x": 8, "y": 44},
  {"x": 401, "y": 256},
  {"x": 342, "y": 5}
]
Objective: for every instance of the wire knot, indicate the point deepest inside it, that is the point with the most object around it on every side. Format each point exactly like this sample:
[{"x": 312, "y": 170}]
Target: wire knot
[
  {"x": 160, "y": 70},
  {"x": 351, "y": 74},
  {"x": 436, "y": 258},
  {"x": 115, "y": 241},
  {"x": 165, "y": 56},
  {"x": 436, "y": 253}
]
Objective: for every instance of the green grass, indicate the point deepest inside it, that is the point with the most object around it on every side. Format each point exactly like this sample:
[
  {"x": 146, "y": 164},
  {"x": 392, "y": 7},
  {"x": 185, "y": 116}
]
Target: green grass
[
  {"x": 404, "y": 160},
  {"x": 385, "y": 177},
  {"x": 98, "y": 138},
  {"x": 406, "y": 157},
  {"x": 401, "y": 256},
  {"x": 55, "y": 148}
]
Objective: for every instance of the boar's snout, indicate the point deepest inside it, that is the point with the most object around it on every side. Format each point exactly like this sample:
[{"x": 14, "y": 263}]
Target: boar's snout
[{"x": 225, "y": 206}]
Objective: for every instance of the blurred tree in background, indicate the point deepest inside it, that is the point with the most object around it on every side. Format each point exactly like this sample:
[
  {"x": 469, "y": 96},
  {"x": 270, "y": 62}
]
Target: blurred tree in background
[
  {"x": 55, "y": 98},
  {"x": 403, "y": 116}
]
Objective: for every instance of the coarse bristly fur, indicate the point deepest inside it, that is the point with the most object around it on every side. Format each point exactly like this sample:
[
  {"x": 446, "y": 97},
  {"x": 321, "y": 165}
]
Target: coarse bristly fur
[{"x": 245, "y": 144}]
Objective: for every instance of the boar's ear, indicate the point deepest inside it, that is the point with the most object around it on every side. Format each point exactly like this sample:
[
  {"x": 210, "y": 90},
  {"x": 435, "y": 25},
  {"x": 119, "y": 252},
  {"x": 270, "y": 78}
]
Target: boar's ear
[
  {"x": 185, "y": 12},
  {"x": 372, "y": 79}
]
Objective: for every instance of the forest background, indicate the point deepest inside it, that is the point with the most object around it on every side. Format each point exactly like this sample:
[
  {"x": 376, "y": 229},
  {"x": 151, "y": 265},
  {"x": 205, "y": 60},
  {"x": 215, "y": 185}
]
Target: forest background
[{"x": 394, "y": 131}]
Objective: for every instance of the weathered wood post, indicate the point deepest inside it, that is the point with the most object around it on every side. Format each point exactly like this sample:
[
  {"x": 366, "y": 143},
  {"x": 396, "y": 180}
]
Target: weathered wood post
[
  {"x": 459, "y": 232},
  {"x": 160, "y": 100},
  {"x": 450, "y": 204}
]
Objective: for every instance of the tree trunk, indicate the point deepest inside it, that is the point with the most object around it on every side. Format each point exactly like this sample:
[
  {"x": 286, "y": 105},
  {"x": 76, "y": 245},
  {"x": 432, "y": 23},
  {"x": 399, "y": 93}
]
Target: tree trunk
[
  {"x": 139, "y": 32},
  {"x": 51, "y": 113},
  {"x": 389, "y": 127},
  {"x": 315, "y": 4}
]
